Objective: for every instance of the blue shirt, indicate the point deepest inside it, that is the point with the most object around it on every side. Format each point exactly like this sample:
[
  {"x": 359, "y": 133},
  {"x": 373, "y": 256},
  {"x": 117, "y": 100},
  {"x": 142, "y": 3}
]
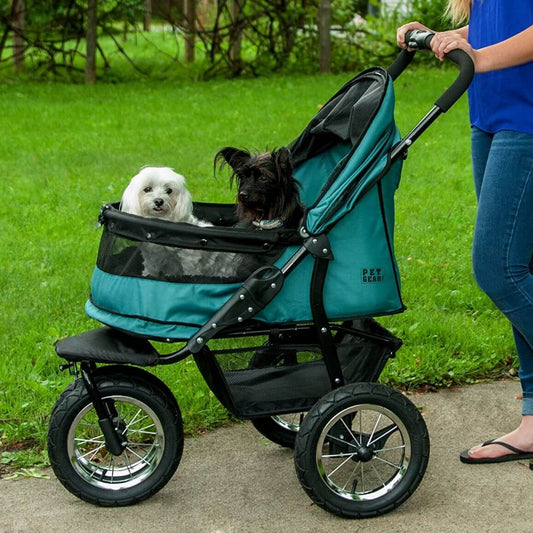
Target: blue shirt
[{"x": 502, "y": 99}]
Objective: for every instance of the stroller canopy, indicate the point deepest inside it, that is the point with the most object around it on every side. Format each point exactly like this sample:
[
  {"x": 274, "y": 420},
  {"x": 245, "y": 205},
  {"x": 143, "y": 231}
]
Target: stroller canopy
[{"x": 350, "y": 136}]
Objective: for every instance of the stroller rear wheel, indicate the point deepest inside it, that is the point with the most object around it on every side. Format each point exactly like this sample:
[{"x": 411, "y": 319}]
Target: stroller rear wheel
[
  {"x": 361, "y": 450},
  {"x": 147, "y": 415},
  {"x": 281, "y": 429}
]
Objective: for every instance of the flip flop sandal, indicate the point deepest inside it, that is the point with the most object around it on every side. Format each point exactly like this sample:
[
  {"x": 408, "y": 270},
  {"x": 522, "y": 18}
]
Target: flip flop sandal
[{"x": 516, "y": 455}]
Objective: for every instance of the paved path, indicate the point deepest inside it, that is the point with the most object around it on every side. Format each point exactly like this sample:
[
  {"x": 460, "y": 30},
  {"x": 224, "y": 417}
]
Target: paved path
[{"x": 233, "y": 480}]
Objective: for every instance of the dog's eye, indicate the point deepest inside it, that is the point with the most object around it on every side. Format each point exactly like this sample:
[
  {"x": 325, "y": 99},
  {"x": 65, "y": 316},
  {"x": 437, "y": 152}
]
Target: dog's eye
[
  {"x": 147, "y": 189},
  {"x": 169, "y": 191},
  {"x": 262, "y": 178}
]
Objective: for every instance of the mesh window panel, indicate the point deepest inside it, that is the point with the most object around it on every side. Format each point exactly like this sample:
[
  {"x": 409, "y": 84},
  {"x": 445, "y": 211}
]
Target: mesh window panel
[{"x": 124, "y": 257}]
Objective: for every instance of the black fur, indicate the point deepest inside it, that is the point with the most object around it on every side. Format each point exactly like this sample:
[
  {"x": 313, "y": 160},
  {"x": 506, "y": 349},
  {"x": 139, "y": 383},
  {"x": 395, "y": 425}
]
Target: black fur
[{"x": 266, "y": 188}]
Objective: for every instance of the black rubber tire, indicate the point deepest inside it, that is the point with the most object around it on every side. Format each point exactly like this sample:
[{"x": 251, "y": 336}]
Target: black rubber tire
[
  {"x": 281, "y": 430},
  {"x": 317, "y": 448},
  {"x": 75, "y": 443}
]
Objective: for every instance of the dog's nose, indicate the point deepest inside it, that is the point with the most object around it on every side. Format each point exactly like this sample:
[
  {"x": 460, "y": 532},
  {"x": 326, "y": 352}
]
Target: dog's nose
[
  {"x": 243, "y": 195},
  {"x": 159, "y": 202}
]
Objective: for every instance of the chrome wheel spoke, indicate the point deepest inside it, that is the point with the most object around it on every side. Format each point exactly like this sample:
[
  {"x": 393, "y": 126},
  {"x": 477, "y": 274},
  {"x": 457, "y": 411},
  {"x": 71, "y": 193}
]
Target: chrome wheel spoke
[
  {"x": 352, "y": 476},
  {"x": 391, "y": 430},
  {"x": 95, "y": 440},
  {"x": 350, "y": 431},
  {"x": 344, "y": 442},
  {"x": 338, "y": 455},
  {"x": 377, "y": 474},
  {"x": 387, "y": 462},
  {"x": 372, "y": 433},
  {"x": 142, "y": 431},
  {"x": 332, "y": 473},
  {"x": 133, "y": 420},
  {"x": 140, "y": 457},
  {"x": 402, "y": 447}
]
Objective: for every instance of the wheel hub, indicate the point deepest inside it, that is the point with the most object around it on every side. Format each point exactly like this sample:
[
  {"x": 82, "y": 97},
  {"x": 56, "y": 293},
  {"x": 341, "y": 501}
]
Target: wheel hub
[{"x": 364, "y": 454}]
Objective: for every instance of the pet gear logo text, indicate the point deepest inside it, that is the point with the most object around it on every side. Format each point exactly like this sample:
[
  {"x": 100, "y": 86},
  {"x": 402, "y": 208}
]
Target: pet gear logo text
[{"x": 372, "y": 275}]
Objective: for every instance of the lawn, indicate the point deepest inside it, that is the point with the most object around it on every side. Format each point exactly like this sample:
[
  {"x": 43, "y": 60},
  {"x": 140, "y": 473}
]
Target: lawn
[{"x": 67, "y": 149}]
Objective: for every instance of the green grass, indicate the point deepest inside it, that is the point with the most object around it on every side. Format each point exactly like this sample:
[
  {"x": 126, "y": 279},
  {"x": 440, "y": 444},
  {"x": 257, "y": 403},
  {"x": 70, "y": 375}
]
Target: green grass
[{"x": 67, "y": 149}]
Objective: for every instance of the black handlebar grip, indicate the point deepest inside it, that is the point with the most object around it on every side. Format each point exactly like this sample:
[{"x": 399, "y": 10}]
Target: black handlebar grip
[
  {"x": 460, "y": 85},
  {"x": 421, "y": 40},
  {"x": 401, "y": 62}
]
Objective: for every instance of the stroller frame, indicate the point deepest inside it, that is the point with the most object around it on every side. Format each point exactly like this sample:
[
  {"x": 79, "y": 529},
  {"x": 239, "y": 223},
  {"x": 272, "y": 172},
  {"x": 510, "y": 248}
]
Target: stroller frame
[{"x": 334, "y": 399}]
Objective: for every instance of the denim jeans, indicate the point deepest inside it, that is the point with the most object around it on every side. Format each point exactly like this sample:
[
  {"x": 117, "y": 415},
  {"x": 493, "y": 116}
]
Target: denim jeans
[{"x": 503, "y": 237}]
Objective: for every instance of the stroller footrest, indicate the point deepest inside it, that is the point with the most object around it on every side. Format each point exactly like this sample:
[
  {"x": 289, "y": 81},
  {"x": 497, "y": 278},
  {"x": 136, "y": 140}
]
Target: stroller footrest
[{"x": 107, "y": 345}]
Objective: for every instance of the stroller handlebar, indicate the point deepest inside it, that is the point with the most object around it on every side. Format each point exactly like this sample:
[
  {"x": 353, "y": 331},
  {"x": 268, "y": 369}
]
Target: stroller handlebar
[
  {"x": 460, "y": 85},
  {"x": 421, "y": 40}
]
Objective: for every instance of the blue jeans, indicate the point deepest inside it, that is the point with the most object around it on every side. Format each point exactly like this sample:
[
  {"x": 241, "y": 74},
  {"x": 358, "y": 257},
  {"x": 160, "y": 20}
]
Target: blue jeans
[{"x": 503, "y": 237}]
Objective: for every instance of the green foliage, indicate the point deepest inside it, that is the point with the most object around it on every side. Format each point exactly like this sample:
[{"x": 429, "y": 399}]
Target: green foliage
[
  {"x": 50, "y": 19},
  {"x": 264, "y": 36},
  {"x": 25, "y": 462},
  {"x": 430, "y": 13}
]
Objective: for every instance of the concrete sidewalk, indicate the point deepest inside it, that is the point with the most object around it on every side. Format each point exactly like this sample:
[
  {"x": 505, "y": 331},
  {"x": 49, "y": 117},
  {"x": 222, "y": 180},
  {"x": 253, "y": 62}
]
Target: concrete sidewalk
[{"x": 233, "y": 480}]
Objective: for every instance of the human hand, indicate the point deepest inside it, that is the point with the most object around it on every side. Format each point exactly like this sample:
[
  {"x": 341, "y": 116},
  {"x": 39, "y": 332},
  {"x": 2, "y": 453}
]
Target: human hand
[
  {"x": 446, "y": 41},
  {"x": 402, "y": 30}
]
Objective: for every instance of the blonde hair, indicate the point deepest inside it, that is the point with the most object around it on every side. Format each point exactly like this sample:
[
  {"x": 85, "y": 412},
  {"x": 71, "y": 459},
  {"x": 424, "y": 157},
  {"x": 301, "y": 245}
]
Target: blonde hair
[{"x": 458, "y": 10}]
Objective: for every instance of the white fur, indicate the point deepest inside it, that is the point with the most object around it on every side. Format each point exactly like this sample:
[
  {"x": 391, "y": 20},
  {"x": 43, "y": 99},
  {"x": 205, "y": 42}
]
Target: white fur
[{"x": 159, "y": 192}]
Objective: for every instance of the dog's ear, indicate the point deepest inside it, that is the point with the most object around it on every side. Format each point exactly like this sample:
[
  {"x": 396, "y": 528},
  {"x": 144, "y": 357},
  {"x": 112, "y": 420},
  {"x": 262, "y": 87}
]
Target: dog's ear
[
  {"x": 182, "y": 211},
  {"x": 234, "y": 157},
  {"x": 130, "y": 198},
  {"x": 283, "y": 160},
  {"x": 288, "y": 205}
]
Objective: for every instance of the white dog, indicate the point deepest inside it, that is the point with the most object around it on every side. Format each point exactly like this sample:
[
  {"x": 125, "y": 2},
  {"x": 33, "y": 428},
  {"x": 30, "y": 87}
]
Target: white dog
[{"x": 159, "y": 192}]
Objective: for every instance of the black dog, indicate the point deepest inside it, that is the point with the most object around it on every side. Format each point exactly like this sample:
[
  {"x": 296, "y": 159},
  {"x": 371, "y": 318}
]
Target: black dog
[{"x": 268, "y": 194}]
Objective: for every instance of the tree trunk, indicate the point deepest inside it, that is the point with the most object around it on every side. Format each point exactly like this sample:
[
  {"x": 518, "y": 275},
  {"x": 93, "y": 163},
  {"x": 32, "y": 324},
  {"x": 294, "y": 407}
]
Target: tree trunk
[
  {"x": 236, "y": 35},
  {"x": 90, "y": 62},
  {"x": 147, "y": 23},
  {"x": 19, "y": 46},
  {"x": 203, "y": 8},
  {"x": 324, "y": 35},
  {"x": 190, "y": 30}
]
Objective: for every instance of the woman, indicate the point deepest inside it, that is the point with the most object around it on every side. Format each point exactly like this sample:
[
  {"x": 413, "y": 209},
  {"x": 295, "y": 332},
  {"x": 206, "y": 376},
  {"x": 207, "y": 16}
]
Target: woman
[{"x": 499, "y": 39}]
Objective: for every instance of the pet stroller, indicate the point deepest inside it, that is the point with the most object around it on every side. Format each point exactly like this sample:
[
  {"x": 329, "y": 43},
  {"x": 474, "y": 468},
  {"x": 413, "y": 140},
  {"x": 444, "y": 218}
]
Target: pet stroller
[{"x": 293, "y": 345}]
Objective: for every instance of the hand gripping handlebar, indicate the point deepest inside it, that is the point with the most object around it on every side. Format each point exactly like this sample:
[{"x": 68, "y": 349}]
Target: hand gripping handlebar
[{"x": 421, "y": 40}]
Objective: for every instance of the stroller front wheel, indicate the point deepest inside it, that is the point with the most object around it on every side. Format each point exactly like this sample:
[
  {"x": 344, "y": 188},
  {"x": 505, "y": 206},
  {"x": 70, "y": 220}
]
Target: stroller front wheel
[
  {"x": 147, "y": 415},
  {"x": 361, "y": 450}
]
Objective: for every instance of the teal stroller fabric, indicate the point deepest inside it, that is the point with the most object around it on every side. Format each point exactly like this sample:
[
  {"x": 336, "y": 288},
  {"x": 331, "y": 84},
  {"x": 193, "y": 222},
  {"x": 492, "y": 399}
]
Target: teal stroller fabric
[{"x": 342, "y": 162}]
